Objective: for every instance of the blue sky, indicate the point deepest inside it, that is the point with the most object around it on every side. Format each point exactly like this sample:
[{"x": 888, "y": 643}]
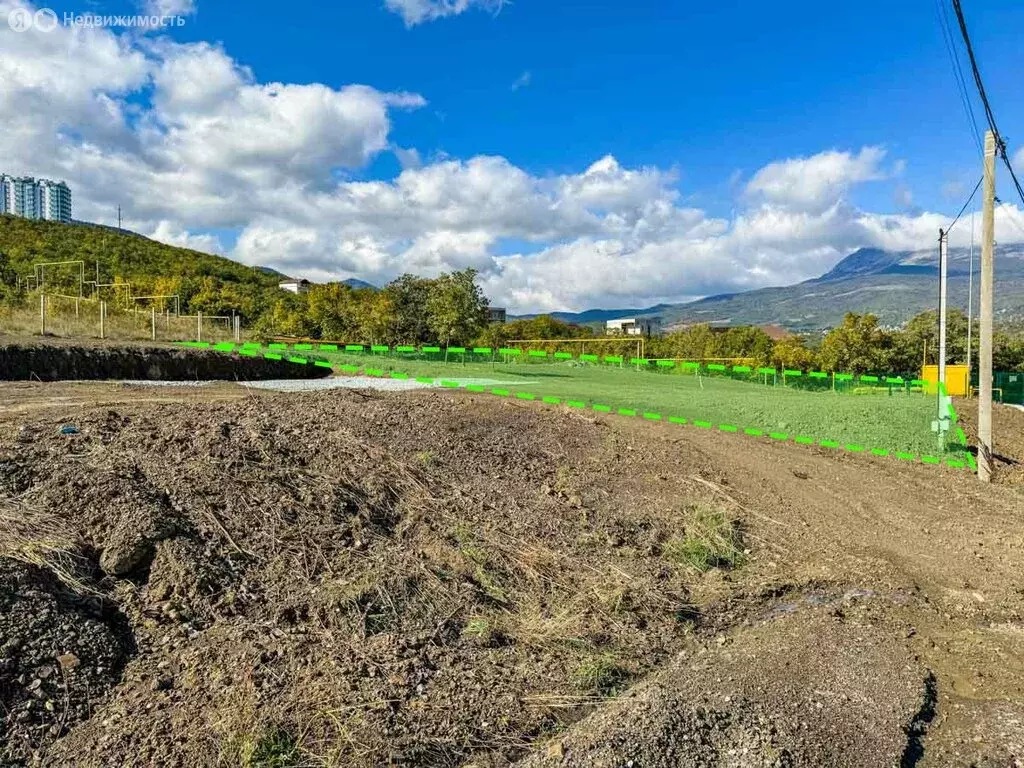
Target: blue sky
[
  {"x": 516, "y": 103},
  {"x": 711, "y": 90}
]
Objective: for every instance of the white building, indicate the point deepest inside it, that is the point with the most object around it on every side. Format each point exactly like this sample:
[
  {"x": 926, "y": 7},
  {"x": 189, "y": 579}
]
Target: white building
[
  {"x": 294, "y": 285},
  {"x": 35, "y": 198},
  {"x": 634, "y": 326}
]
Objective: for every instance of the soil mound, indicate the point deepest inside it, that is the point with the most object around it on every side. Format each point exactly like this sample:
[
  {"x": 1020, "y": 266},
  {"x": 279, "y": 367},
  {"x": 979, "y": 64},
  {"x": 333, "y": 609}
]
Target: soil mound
[
  {"x": 803, "y": 689},
  {"x": 64, "y": 362}
]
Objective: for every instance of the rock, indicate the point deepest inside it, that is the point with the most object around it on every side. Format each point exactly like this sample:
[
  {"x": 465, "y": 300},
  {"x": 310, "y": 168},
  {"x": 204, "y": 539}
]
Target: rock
[{"x": 68, "y": 662}]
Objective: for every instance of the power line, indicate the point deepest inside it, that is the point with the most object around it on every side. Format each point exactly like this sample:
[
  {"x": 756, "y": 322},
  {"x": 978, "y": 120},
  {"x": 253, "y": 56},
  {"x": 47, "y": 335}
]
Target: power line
[
  {"x": 958, "y": 73},
  {"x": 964, "y": 208},
  {"x": 1000, "y": 144}
]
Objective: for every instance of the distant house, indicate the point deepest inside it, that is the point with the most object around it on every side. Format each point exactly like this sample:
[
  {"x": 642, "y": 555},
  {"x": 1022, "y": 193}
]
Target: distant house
[
  {"x": 295, "y": 285},
  {"x": 634, "y": 326},
  {"x": 775, "y": 332},
  {"x": 496, "y": 314}
]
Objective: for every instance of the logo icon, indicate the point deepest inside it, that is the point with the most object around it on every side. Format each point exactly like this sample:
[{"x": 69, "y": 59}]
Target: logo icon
[
  {"x": 45, "y": 20},
  {"x": 20, "y": 19}
]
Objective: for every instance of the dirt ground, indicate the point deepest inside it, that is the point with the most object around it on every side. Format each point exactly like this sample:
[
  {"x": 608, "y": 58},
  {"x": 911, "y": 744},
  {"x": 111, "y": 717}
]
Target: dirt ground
[{"x": 220, "y": 576}]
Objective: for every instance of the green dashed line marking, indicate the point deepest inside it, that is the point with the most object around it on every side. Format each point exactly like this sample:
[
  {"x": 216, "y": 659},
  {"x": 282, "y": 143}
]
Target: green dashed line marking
[
  {"x": 373, "y": 372},
  {"x": 277, "y": 346},
  {"x": 350, "y": 368},
  {"x": 405, "y": 348},
  {"x": 667, "y": 363},
  {"x": 652, "y": 416},
  {"x": 676, "y": 420},
  {"x": 728, "y": 428},
  {"x": 475, "y": 388},
  {"x": 379, "y": 348},
  {"x": 353, "y": 347},
  {"x": 481, "y": 350},
  {"x": 575, "y": 404},
  {"x": 904, "y": 456},
  {"x": 961, "y": 436},
  {"x": 803, "y": 440},
  {"x": 431, "y": 349},
  {"x": 328, "y": 347},
  {"x": 399, "y": 376},
  {"x": 525, "y": 396},
  {"x": 818, "y": 375},
  {"x": 589, "y": 358},
  {"x": 689, "y": 365},
  {"x": 716, "y": 367},
  {"x": 879, "y": 452},
  {"x": 971, "y": 460},
  {"x": 638, "y": 361},
  {"x": 792, "y": 373},
  {"x": 769, "y": 371},
  {"x": 870, "y": 379},
  {"x": 778, "y": 435},
  {"x": 853, "y": 448},
  {"x": 955, "y": 464},
  {"x": 563, "y": 355},
  {"x": 302, "y": 347},
  {"x": 702, "y": 424},
  {"x": 931, "y": 460},
  {"x": 551, "y": 400},
  {"x": 844, "y": 377},
  {"x": 602, "y": 408},
  {"x": 249, "y": 352},
  {"x": 500, "y": 392},
  {"x": 828, "y": 444},
  {"x": 272, "y": 356},
  {"x": 299, "y": 360},
  {"x": 322, "y": 364},
  {"x": 627, "y": 412},
  {"x": 612, "y": 359},
  {"x": 449, "y": 384},
  {"x": 741, "y": 369},
  {"x": 753, "y": 432},
  {"x": 918, "y": 383},
  {"x": 424, "y": 380},
  {"x": 538, "y": 353},
  {"x": 457, "y": 350}
]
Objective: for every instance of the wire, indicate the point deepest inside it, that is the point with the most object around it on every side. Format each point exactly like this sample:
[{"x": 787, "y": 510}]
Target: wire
[
  {"x": 964, "y": 208},
  {"x": 1000, "y": 144},
  {"x": 958, "y": 73}
]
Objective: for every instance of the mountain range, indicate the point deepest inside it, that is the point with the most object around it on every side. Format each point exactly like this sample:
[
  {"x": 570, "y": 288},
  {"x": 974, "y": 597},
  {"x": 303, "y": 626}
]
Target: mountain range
[{"x": 894, "y": 285}]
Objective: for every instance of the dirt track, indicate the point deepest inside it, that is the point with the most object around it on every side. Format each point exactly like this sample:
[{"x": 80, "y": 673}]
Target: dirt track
[{"x": 448, "y": 579}]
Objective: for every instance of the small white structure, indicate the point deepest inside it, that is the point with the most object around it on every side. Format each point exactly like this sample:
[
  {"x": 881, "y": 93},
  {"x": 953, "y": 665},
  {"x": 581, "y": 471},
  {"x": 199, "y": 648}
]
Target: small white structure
[
  {"x": 294, "y": 285},
  {"x": 634, "y": 326},
  {"x": 496, "y": 314}
]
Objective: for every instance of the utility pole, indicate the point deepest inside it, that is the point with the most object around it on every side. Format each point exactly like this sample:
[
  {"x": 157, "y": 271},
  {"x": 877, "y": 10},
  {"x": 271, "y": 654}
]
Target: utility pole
[
  {"x": 942, "y": 425},
  {"x": 970, "y": 301},
  {"x": 985, "y": 342}
]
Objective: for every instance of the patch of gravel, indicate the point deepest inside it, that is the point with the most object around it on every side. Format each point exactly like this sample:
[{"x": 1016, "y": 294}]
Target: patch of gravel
[
  {"x": 366, "y": 382},
  {"x": 810, "y": 688}
]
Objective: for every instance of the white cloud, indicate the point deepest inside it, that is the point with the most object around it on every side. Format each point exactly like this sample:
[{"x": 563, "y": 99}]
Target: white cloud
[
  {"x": 1018, "y": 160},
  {"x": 169, "y": 7},
  {"x": 816, "y": 182},
  {"x": 415, "y": 12},
  {"x": 188, "y": 140},
  {"x": 522, "y": 81}
]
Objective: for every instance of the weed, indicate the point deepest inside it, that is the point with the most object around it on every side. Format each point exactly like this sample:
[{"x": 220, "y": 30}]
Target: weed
[
  {"x": 479, "y": 629},
  {"x": 426, "y": 458},
  {"x": 599, "y": 674},
  {"x": 711, "y": 540},
  {"x": 275, "y": 749}
]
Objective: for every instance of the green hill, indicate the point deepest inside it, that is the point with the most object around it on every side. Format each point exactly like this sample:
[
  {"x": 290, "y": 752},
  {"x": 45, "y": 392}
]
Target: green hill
[{"x": 207, "y": 283}]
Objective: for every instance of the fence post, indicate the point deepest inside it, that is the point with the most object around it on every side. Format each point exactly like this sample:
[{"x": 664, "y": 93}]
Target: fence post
[
  {"x": 42, "y": 314},
  {"x": 199, "y": 326},
  {"x": 103, "y": 317},
  {"x": 152, "y": 322},
  {"x": 77, "y": 311}
]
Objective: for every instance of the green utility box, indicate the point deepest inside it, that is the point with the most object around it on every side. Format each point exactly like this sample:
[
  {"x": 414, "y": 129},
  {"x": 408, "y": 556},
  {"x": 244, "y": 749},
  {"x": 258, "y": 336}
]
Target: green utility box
[{"x": 1008, "y": 386}]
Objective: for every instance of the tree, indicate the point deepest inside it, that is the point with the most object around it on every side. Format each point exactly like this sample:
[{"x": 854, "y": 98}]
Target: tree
[
  {"x": 408, "y": 296},
  {"x": 792, "y": 353},
  {"x": 456, "y": 307},
  {"x": 857, "y": 346},
  {"x": 331, "y": 312}
]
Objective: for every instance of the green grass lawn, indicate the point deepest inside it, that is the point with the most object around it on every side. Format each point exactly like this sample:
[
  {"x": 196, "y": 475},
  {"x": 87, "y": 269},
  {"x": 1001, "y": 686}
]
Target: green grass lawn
[{"x": 897, "y": 422}]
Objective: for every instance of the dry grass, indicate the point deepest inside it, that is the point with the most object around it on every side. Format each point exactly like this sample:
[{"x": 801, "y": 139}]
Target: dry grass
[
  {"x": 711, "y": 539},
  {"x": 40, "y": 538}
]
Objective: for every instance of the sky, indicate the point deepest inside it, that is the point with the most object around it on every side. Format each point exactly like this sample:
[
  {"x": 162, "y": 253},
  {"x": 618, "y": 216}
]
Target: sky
[{"x": 577, "y": 154}]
